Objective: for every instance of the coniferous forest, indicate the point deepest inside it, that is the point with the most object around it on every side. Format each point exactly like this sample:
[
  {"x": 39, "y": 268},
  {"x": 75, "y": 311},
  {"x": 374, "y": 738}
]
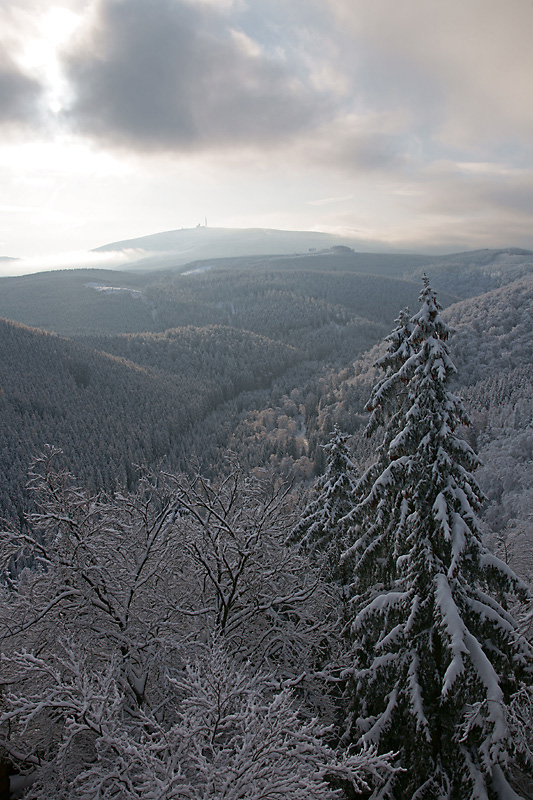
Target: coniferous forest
[{"x": 267, "y": 530}]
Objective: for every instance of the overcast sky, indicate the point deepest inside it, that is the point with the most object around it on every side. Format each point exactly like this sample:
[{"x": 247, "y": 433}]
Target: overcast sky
[{"x": 404, "y": 123}]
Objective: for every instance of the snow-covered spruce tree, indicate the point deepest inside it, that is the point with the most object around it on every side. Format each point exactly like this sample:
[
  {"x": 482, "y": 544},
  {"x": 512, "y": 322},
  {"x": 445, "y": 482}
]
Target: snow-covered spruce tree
[
  {"x": 389, "y": 396},
  {"x": 437, "y": 658},
  {"x": 318, "y": 530},
  {"x": 374, "y": 544}
]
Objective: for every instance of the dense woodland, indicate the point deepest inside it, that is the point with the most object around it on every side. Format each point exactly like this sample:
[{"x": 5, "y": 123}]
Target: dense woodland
[
  {"x": 237, "y": 333},
  {"x": 215, "y": 485}
]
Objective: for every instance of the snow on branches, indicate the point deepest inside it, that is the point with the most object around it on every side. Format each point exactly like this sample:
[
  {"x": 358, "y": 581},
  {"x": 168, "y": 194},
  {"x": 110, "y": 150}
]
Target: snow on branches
[
  {"x": 227, "y": 733},
  {"x": 162, "y": 645},
  {"x": 436, "y": 654},
  {"x": 319, "y": 530}
]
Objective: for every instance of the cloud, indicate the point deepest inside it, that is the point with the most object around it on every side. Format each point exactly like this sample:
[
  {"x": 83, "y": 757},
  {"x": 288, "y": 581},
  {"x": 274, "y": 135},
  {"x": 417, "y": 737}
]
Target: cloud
[
  {"x": 20, "y": 95},
  {"x": 461, "y": 69},
  {"x": 410, "y": 121},
  {"x": 170, "y": 75},
  {"x": 459, "y": 206},
  {"x": 70, "y": 260},
  {"x": 357, "y": 144},
  {"x": 476, "y": 190},
  {"x": 326, "y": 201}
]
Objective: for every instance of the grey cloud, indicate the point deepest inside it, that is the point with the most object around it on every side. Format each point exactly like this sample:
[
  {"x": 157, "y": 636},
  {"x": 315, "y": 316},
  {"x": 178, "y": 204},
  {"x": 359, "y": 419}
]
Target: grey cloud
[
  {"x": 514, "y": 198},
  {"x": 466, "y": 209},
  {"x": 462, "y": 69},
  {"x": 168, "y": 75},
  {"x": 368, "y": 153},
  {"x": 19, "y": 95},
  {"x": 493, "y": 231},
  {"x": 456, "y": 192},
  {"x": 356, "y": 146}
]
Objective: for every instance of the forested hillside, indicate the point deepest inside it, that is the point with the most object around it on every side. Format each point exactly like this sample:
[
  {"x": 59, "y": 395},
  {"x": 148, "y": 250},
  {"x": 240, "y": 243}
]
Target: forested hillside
[
  {"x": 494, "y": 356},
  {"x": 461, "y": 274},
  {"x": 109, "y": 414},
  {"x": 67, "y": 302},
  {"x": 493, "y": 351},
  {"x": 283, "y": 304}
]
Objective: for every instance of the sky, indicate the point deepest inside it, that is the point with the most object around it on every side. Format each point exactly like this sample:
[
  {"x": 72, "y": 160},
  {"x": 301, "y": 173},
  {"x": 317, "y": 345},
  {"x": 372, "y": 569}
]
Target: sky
[{"x": 405, "y": 124}]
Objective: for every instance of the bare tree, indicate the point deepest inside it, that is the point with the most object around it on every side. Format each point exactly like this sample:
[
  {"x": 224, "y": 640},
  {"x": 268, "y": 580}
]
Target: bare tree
[{"x": 153, "y": 645}]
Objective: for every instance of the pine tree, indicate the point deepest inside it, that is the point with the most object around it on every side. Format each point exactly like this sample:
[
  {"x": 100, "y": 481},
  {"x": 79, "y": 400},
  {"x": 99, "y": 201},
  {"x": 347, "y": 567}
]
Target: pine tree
[
  {"x": 436, "y": 656},
  {"x": 390, "y": 389},
  {"x": 374, "y": 548},
  {"x": 319, "y": 530}
]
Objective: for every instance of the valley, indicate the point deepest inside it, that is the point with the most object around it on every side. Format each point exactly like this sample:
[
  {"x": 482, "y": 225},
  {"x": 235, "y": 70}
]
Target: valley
[{"x": 261, "y": 356}]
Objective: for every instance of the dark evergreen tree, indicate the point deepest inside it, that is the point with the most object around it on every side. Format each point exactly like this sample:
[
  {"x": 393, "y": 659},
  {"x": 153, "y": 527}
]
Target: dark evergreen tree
[
  {"x": 319, "y": 530},
  {"x": 388, "y": 404},
  {"x": 390, "y": 390},
  {"x": 436, "y": 655}
]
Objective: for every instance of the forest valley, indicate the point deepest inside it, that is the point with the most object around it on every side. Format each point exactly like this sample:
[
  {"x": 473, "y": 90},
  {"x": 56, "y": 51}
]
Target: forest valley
[{"x": 254, "y": 633}]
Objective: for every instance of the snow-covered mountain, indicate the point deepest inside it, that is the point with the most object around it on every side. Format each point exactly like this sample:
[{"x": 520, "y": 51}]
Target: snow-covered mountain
[{"x": 172, "y": 248}]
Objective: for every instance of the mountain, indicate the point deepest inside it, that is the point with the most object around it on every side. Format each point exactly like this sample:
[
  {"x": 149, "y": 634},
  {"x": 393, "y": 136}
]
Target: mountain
[
  {"x": 470, "y": 274},
  {"x": 190, "y": 244},
  {"x": 236, "y": 363},
  {"x": 493, "y": 332},
  {"x": 203, "y": 248},
  {"x": 494, "y": 357},
  {"x": 458, "y": 274}
]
